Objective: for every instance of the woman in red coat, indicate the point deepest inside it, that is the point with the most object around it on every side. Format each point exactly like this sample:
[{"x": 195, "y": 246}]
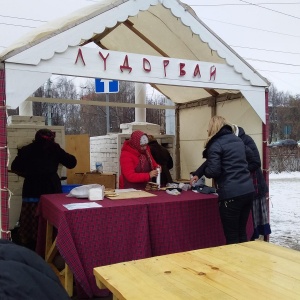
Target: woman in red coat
[{"x": 137, "y": 164}]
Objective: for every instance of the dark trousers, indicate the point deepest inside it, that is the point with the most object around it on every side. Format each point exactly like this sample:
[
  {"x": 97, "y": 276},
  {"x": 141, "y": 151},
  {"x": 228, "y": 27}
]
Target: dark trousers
[{"x": 234, "y": 215}]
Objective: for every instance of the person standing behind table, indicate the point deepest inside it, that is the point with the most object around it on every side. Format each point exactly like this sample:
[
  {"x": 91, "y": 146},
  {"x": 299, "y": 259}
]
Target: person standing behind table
[
  {"x": 259, "y": 209},
  {"x": 226, "y": 163},
  {"x": 137, "y": 164},
  {"x": 163, "y": 157},
  {"x": 38, "y": 163}
]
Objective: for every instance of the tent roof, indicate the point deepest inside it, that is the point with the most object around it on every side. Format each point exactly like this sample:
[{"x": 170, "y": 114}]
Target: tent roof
[{"x": 159, "y": 28}]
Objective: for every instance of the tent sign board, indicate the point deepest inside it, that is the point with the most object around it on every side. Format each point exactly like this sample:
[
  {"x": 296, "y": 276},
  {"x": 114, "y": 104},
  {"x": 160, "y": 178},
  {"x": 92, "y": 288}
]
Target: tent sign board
[{"x": 106, "y": 86}]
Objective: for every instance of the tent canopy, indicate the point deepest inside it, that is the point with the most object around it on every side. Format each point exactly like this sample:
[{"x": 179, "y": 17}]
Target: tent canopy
[{"x": 162, "y": 41}]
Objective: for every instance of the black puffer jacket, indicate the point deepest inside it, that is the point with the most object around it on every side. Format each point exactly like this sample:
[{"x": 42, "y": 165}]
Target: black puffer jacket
[
  {"x": 25, "y": 275},
  {"x": 227, "y": 164},
  {"x": 38, "y": 164},
  {"x": 260, "y": 185}
]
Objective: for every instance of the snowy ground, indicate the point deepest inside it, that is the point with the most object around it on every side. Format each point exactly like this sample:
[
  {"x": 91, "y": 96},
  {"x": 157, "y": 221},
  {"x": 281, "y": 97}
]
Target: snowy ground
[{"x": 285, "y": 209}]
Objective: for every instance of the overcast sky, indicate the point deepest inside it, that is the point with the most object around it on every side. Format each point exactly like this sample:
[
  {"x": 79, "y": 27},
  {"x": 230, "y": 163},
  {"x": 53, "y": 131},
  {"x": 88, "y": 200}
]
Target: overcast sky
[{"x": 264, "y": 32}]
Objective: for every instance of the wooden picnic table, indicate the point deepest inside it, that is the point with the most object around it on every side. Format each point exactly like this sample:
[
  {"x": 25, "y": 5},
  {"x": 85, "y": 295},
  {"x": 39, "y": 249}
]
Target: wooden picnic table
[{"x": 252, "y": 270}]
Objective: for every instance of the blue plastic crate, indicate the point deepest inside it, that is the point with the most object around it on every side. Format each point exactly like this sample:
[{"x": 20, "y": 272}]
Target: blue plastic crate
[{"x": 66, "y": 188}]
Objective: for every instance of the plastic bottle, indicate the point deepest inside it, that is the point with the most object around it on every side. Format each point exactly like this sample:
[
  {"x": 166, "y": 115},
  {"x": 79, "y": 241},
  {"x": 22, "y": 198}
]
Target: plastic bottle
[
  {"x": 99, "y": 167},
  {"x": 158, "y": 178}
]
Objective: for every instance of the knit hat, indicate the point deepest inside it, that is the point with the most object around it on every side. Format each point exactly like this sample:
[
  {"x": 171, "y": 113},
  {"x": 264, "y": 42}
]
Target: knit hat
[
  {"x": 136, "y": 139},
  {"x": 45, "y": 134}
]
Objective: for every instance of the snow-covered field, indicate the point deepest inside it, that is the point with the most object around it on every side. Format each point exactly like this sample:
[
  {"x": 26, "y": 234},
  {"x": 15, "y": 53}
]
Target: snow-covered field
[{"x": 285, "y": 209}]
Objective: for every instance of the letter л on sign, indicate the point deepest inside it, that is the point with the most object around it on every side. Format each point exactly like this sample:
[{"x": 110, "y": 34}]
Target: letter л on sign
[{"x": 106, "y": 86}]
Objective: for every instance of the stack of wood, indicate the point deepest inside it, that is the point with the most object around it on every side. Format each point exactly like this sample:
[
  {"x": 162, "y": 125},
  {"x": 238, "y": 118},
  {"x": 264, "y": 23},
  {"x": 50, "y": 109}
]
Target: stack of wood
[
  {"x": 110, "y": 193},
  {"x": 151, "y": 186}
]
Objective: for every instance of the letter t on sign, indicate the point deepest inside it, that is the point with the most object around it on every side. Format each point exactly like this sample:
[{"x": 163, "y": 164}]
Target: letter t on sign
[{"x": 106, "y": 86}]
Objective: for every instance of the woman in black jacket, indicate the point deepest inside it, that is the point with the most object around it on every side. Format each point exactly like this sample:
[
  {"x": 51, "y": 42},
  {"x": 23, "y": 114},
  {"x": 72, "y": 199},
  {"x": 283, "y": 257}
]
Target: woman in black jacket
[
  {"x": 260, "y": 210},
  {"x": 38, "y": 163},
  {"x": 226, "y": 163}
]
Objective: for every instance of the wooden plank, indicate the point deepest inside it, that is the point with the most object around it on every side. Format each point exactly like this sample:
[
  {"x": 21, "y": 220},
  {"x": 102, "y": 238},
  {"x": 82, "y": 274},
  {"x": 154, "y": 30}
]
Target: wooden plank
[
  {"x": 256, "y": 270},
  {"x": 229, "y": 272},
  {"x": 79, "y": 146},
  {"x": 270, "y": 248},
  {"x": 51, "y": 252},
  {"x": 49, "y": 238},
  {"x": 109, "y": 180},
  {"x": 65, "y": 276},
  {"x": 68, "y": 283},
  {"x": 58, "y": 274},
  {"x": 157, "y": 279},
  {"x": 98, "y": 103},
  {"x": 250, "y": 273},
  {"x": 131, "y": 195}
]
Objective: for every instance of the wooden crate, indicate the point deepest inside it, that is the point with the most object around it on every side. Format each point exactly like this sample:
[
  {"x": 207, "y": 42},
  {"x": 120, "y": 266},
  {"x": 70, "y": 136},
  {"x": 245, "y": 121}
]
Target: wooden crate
[{"x": 106, "y": 179}]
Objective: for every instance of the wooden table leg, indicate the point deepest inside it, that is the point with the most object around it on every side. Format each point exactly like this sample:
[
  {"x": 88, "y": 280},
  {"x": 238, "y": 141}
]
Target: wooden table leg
[
  {"x": 68, "y": 280},
  {"x": 65, "y": 276}
]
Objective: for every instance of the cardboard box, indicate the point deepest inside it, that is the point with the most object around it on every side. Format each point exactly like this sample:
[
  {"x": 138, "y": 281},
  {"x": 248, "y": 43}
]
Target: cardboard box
[{"x": 106, "y": 179}]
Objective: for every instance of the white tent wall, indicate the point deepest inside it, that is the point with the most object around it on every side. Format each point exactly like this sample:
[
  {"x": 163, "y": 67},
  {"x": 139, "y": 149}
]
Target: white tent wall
[{"x": 193, "y": 129}]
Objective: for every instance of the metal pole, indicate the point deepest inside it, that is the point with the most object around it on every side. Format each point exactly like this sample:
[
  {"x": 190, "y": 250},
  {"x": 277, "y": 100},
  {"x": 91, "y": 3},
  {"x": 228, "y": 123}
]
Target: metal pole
[
  {"x": 107, "y": 113},
  {"x": 49, "y": 107},
  {"x": 49, "y": 115}
]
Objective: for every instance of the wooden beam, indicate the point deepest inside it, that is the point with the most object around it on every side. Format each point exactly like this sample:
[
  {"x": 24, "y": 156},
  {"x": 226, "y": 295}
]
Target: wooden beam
[
  {"x": 97, "y": 103},
  {"x": 212, "y": 92},
  {"x": 98, "y": 37},
  {"x": 130, "y": 26},
  {"x": 209, "y": 100}
]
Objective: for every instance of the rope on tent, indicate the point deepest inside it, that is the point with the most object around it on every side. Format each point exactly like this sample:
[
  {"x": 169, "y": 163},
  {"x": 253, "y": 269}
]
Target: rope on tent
[
  {"x": 9, "y": 194},
  {"x": 7, "y": 232}
]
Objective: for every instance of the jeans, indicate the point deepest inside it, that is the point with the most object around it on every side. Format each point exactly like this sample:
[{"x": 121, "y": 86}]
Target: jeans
[{"x": 234, "y": 215}]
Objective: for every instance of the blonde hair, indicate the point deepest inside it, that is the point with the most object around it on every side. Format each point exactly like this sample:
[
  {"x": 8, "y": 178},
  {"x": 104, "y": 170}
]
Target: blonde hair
[{"x": 214, "y": 126}]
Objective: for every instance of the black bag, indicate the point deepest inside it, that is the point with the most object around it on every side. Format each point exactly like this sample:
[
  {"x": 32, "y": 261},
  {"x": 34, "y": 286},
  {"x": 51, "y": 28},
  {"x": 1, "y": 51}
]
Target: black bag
[{"x": 204, "y": 189}]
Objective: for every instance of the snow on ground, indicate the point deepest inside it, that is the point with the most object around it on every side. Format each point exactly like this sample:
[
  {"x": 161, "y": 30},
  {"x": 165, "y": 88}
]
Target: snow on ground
[{"x": 285, "y": 209}]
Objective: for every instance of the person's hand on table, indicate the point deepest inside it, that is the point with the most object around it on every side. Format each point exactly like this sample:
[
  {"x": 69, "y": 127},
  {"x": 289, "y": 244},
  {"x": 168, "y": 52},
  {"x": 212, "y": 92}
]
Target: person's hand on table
[{"x": 194, "y": 179}]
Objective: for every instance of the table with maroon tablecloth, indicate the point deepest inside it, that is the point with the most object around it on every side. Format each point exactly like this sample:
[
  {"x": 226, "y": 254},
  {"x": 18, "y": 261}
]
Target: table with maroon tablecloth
[{"x": 124, "y": 230}]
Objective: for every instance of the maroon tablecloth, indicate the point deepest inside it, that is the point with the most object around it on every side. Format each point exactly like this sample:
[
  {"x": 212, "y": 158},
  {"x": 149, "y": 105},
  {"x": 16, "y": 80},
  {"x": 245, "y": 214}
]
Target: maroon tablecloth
[
  {"x": 87, "y": 238},
  {"x": 124, "y": 230}
]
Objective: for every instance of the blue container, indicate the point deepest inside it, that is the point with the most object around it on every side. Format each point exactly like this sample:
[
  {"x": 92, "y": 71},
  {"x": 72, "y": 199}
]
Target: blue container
[{"x": 66, "y": 188}]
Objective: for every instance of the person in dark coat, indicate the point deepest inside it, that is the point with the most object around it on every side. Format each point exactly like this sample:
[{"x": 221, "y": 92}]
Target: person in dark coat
[
  {"x": 25, "y": 275},
  {"x": 163, "y": 157},
  {"x": 226, "y": 163},
  {"x": 38, "y": 163},
  {"x": 260, "y": 208}
]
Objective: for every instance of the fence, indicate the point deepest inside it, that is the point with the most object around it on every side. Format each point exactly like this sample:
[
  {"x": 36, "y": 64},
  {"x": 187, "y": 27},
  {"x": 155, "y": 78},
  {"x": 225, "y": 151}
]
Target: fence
[{"x": 284, "y": 159}]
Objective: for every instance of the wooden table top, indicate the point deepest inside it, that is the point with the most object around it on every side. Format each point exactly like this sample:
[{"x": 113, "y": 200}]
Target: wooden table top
[{"x": 252, "y": 270}]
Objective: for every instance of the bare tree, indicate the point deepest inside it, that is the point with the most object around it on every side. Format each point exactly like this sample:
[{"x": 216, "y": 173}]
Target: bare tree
[
  {"x": 278, "y": 113},
  {"x": 157, "y": 116},
  {"x": 95, "y": 117},
  {"x": 90, "y": 119}
]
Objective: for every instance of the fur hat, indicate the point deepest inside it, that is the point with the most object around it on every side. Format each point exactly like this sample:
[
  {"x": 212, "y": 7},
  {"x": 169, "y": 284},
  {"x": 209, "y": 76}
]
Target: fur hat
[{"x": 235, "y": 129}]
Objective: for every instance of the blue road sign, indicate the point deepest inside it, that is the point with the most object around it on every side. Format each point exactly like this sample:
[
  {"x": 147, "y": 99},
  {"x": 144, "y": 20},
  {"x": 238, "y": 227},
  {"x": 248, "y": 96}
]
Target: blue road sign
[{"x": 106, "y": 86}]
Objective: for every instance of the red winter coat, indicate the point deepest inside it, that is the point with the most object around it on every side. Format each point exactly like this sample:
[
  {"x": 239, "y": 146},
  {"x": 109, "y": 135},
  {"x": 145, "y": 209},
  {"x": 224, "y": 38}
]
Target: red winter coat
[{"x": 133, "y": 174}]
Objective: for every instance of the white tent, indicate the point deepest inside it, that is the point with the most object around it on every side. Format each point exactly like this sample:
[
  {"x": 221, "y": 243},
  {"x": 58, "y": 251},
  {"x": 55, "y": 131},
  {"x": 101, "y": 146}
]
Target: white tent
[{"x": 161, "y": 42}]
